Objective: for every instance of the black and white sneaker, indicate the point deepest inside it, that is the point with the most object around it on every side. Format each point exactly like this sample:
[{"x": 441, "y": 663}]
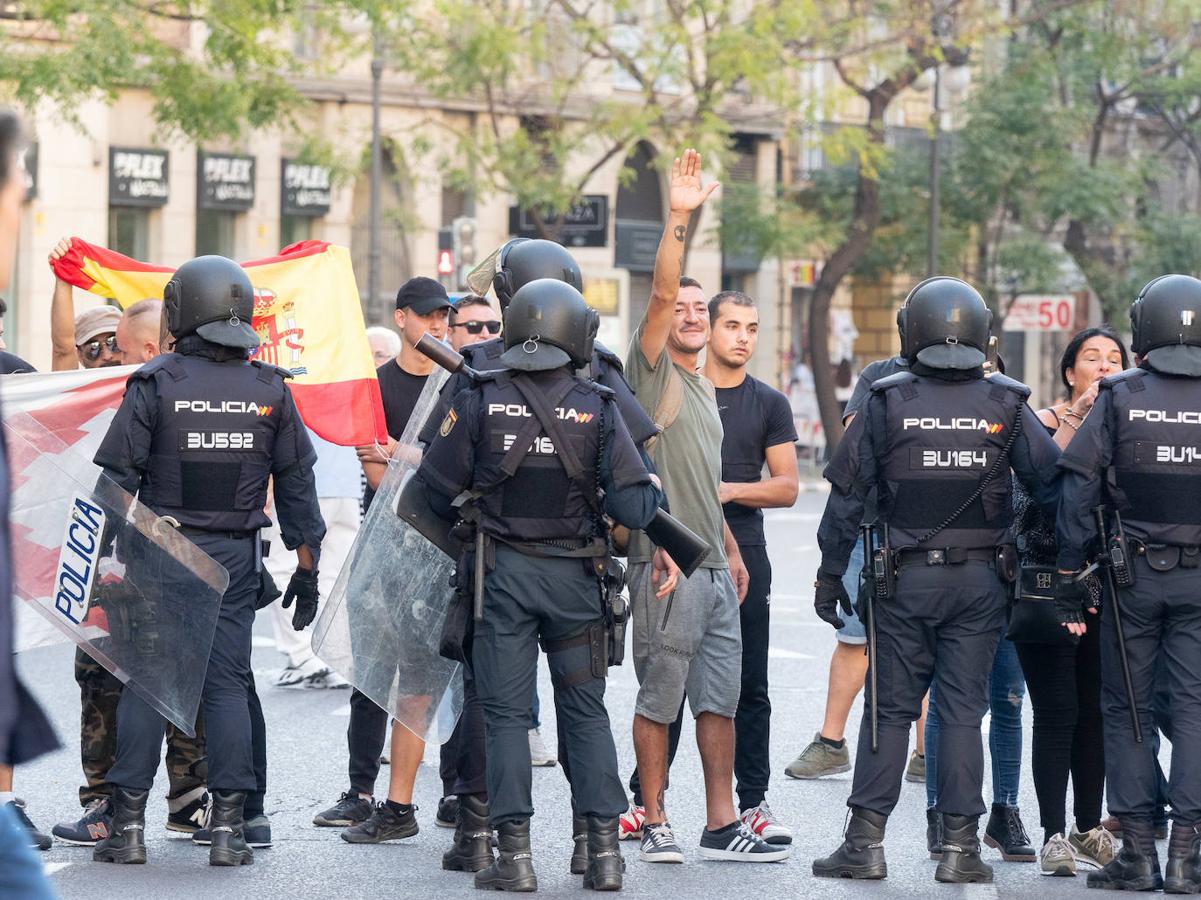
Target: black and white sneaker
[
  {"x": 659, "y": 844},
  {"x": 738, "y": 843}
]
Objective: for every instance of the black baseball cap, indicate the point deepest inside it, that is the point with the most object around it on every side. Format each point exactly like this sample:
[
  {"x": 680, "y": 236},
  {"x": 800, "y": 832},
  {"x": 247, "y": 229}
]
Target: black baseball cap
[{"x": 422, "y": 295}]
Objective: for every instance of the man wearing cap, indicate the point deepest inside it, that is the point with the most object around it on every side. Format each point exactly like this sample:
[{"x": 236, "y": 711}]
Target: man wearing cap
[
  {"x": 422, "y": 307},
  {"x": 94, "y": 331}
]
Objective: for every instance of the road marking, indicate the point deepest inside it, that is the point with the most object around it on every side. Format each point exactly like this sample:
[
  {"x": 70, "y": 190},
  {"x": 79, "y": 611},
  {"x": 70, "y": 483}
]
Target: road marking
[
  {"x": 52, "y": 867},
  {"x": 794, "y": 517},
  {"x": 343, "y": 710},
  {"x": 781, "y": 653}
]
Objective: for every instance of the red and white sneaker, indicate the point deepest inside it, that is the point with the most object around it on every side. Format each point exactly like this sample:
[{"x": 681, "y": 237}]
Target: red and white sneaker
[
  {"x": 763, "y": 822},
  {"x": 629, "y": 825}
]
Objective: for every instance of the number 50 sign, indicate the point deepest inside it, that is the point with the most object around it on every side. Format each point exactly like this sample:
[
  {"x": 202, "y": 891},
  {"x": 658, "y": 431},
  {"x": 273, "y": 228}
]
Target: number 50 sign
[{"x": 1039, "y": 312}]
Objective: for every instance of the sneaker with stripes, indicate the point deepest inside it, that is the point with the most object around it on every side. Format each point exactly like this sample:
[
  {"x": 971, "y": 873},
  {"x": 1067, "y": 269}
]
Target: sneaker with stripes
[
  {"x": 738, "y": 843},
  {"x": 761, "y": 820},
  {"x": 659, "y": 845}
]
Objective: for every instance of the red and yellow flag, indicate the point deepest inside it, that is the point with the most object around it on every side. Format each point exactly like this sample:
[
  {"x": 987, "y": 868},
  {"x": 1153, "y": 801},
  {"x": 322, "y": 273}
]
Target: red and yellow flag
[{"x": 306, "y": 313}]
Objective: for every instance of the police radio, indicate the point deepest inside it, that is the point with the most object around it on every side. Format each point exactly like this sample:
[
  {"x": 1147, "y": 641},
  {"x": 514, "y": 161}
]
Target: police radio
[
  {"x": 883, "y": 568},
  {"x": 1119, "y": 553}
]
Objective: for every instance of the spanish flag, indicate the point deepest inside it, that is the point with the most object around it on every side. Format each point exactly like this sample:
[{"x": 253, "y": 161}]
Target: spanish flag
[{"x": 306, "y": 313}]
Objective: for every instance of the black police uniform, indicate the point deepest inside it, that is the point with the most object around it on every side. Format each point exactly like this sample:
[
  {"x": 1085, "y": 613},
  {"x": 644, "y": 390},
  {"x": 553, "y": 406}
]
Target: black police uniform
[
  {"x": 1140, "y": 449},
  {"x": 924, "y": 441},
  {"x": 605, "y": 370},
  {"x": 177, "y": 410}
]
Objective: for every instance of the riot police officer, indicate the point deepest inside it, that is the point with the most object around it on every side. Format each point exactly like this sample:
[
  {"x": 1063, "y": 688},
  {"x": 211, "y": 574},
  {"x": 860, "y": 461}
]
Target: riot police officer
[
  {"x": 937, "y": 443},
  {"x": 173, "y": 444},
  {"x": 1139, "y": 451},
  {"x": 534, "y": 443},
  {"x": 518, "y": 262}
]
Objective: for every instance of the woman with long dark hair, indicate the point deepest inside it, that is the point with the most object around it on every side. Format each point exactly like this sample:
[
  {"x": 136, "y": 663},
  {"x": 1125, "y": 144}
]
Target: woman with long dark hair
[{"x": 1063, "y": 677}]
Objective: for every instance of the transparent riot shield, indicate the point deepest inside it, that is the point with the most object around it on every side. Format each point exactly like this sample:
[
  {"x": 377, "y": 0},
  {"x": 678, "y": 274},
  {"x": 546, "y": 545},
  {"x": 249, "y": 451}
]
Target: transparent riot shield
[
  {"x": 381, "y": 626},
  {"x": 127, "y": 588}
]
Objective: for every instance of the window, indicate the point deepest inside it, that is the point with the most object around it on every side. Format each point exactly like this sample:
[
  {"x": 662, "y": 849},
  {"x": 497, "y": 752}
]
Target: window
[
  {"x": 215, "y": 232},
  {"x": 294, "y": 229},
  {"x": 129, "y": 231}
]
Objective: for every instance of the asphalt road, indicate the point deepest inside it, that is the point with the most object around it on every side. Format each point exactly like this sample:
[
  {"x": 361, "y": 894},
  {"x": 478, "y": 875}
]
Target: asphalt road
[{"x": 307, "y": 729}]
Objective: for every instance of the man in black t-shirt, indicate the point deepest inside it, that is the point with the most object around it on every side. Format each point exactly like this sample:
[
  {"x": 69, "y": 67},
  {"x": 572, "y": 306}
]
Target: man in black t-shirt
[
  {"x": 422, "y": 307},
  {"x": 758, "y": 425}
]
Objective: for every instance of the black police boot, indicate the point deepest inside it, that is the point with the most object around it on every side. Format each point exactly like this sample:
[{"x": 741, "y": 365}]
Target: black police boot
[
  {"x": 1183, "y": 872},
  {"x": 934, "y": 833},
  {"x": 1005, "y": 832},
  {"x": 472, "y": 848},
  {"x": 126, "y": 839},
  {"x": 1136, "y": 867},
  {"x": 861, "y": 855},
  {"x": 514, "y": 866},
  {"x": 605, "y": 864},
  {"x": 579, "y": 840},
  {"x": 228, "y": 846},
  {"x": 961, "y": 863}
]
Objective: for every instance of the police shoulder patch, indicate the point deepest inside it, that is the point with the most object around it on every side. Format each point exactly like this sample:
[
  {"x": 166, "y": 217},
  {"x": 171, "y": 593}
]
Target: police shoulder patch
[{"x": 448, "y": 423}]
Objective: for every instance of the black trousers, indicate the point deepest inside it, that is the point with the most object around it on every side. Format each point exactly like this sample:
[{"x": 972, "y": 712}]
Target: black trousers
[
  {"x": 226, "y": 700},
  {"x": 1064, "y": 684},
  {"x": 943, "y": 625},
  {"x": 365, "y": 737},
  {"x": 752, "y": 723},
  {"x": 469, "y": 744},
  {"x": 1161, "y": 614},
  {"x": 526, "y": 598}
]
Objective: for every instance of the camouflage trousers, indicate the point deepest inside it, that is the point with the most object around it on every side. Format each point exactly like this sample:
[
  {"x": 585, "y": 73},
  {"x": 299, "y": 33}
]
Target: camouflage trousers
[{"x": 99, "y": 693}]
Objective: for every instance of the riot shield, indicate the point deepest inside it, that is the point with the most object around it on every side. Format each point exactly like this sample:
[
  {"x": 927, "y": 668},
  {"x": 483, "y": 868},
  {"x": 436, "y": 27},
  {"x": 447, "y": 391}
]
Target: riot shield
[
  {"x": 381, "y": 626},
  {"x": 128, "y": 589}
]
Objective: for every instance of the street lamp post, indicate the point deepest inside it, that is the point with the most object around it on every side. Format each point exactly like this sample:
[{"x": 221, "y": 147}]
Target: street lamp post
[
  {"x": 932, "y": 218},
  {"x": 373, "y": 224}
]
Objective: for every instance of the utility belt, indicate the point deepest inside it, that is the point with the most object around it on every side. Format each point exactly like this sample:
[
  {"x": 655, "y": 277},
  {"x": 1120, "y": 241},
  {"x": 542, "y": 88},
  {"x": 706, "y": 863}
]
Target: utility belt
[
  {"x": 954, "y": 556},
  {"x": 563, "y": 548},
  {"x": 193, "y": 531},
  {"x": 1166, "y": 557}
]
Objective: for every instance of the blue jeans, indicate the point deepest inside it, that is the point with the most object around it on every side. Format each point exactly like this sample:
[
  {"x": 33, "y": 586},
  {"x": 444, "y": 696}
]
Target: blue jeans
[
  {"x": 21, "y": 872},
  {"x": 1006, "y": 688}
]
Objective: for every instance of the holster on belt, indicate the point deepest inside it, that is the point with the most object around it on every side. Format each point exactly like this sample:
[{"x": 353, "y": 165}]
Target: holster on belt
[{"x": 612, "y": 577}]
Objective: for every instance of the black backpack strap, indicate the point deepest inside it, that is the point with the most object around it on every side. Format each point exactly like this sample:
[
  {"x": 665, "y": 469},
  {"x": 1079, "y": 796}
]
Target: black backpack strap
[{"x": 517, "y": 453}]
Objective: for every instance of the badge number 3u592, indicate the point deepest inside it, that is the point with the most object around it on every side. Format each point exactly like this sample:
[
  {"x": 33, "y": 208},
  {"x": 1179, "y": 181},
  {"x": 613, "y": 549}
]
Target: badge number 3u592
[{"x": 448, "y": 423}]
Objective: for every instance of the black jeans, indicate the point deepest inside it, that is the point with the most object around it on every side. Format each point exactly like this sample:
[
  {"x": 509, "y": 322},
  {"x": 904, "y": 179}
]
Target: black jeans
[
  {"x": 752, "y": 724},
  {"x": 365, "y": 737},
  {"x": 1064, "y": 684}
]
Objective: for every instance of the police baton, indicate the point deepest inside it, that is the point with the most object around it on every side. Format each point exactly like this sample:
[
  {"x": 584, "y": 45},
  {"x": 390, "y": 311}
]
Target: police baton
[
  {"x": 1111, "y": 582},
  {"x": 866, "y": 586}
]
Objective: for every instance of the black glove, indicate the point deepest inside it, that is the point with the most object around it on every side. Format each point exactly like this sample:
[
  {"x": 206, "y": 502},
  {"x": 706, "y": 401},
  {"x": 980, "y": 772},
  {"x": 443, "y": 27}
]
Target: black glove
[
  {"x": 302, "y": 588},
  {"x": 828, "y": 595},
  {"x": 1071, "y": 598}
]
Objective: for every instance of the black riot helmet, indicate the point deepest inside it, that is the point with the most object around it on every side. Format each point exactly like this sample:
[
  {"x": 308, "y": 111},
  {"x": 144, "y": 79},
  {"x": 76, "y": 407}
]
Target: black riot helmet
[
  {"x": 523, "y": 260},
  {"x": 944, "y": 324},
  {"x": 1166, "y": 321},
  {"x": 548, "y": 325},
  {"x": 211, "y": 296}
]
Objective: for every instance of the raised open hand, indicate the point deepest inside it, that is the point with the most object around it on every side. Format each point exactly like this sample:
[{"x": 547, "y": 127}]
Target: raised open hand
[{"x": 687, "y": 194}]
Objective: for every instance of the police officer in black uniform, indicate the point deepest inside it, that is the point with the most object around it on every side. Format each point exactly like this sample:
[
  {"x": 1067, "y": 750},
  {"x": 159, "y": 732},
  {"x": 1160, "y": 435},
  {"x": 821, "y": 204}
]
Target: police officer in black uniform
[
  {"x": 1139, "y": 450},
  {"x": 937, "y": 443},
  {"x": 519, "y": 262},
  {"x": 207, "y": 388},
  {"x": 536, "y": 442}
]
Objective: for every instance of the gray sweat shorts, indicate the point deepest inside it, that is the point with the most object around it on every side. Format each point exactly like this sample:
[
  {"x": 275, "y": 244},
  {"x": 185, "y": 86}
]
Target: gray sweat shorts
[{"x": 699, "y": 651}]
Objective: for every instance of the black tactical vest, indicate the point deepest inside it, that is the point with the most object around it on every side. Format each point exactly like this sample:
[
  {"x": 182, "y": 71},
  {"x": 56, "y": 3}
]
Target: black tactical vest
[
  {"x": 935, "y": 442},
  {"x": 1155, "y": 476},
  {"x": 211, "y": 453},
  {"x": 538, "y": 501}
]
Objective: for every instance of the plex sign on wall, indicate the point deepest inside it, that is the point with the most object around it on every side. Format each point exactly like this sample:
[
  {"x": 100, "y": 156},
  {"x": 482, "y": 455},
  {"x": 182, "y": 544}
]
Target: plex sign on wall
[{"x": 224, "y": 181}]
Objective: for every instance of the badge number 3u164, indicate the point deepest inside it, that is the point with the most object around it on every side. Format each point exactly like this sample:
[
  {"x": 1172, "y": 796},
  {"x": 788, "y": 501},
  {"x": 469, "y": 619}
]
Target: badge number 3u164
[{"x": 448, "y": 423}]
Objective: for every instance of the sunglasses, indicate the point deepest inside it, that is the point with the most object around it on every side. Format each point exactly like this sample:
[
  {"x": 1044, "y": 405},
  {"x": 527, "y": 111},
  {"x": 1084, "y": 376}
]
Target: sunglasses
[
  {"x": 478, "y": 327},
  {"x": 93, "y": 349}
]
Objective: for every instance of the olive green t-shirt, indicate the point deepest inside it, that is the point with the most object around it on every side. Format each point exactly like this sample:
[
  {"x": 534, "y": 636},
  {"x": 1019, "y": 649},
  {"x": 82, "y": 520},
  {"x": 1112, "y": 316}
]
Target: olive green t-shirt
[{"x": 687, "y": 455}]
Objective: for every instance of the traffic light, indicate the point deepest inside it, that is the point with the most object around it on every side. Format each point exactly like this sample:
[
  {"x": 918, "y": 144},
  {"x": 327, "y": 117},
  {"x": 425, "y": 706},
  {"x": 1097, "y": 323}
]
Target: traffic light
[
  {"x": 446, "y": 257},
  {"x": 463, "y": 232}
]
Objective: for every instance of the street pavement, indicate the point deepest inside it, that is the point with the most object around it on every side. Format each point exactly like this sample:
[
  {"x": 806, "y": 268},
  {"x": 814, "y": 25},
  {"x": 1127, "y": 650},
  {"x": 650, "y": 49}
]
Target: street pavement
[{"x": 307, "y": 747}]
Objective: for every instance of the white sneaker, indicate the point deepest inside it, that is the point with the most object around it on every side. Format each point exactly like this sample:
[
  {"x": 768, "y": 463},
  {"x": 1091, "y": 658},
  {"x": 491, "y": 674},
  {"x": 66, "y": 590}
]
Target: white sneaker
[
  {"x": 326, "y": 680},
  {"x": 630, "y": 822},
  {"x": 295, "y": 676},
  {"x": 1057, "y": 858},
  {"x": 540, "y": 757},
  {"x": 763, "y": 822}
]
